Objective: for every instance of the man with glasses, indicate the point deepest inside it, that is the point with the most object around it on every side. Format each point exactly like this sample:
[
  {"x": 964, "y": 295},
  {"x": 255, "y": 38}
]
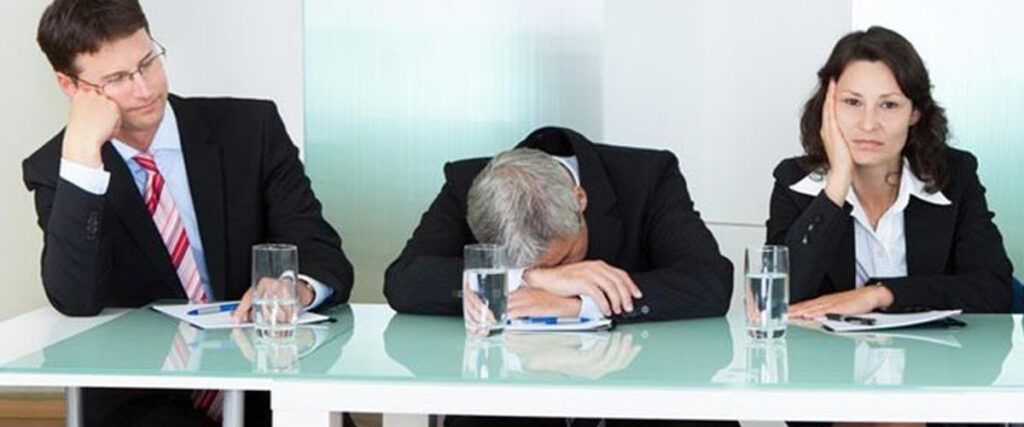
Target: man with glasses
[{"x": 145, "y": 196}]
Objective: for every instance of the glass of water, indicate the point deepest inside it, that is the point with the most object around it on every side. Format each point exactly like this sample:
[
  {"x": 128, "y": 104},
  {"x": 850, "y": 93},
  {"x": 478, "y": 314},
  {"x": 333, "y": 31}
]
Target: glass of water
[
  {"x": 484, "y": 289},
  {"x": 275, "y": 295},
  {"x": 766, "y": 290}
]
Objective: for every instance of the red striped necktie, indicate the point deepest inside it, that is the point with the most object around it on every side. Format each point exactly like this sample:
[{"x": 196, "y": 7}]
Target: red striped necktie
[
  {"x": 165, "y": 215},
  {"x": 168, "y": 221}
]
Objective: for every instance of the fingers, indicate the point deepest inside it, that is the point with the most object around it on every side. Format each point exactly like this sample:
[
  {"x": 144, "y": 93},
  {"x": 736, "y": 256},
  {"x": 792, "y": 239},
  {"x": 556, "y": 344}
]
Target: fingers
[
  {"x": 242, "y": 312},
  {"x": 474, "y": 309},
  {"x": 518, "y": 304},
  {"x": 827, "y": 110},
  {"x": 835, "y": 133},
  {"x": 605, "y": 281},
  {"x": 627, "y": 289},
  {"x": 598, "y": 297},
  {"x": 616, "y": 285}
]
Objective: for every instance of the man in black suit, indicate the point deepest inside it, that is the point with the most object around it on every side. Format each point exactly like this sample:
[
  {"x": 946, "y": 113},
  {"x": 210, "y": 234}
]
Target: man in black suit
[
  {"x": 597, "y": 229},
  {"x": 639, "y": 250},
  {"x": 146, "y": 196}
]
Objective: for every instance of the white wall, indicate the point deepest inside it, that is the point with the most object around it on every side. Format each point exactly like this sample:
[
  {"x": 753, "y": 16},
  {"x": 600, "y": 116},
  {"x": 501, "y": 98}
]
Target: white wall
[
  {"x": 238, "y": 48},
  {"x": 721, "y": 84},
  {"x": 32, "y": 111}
]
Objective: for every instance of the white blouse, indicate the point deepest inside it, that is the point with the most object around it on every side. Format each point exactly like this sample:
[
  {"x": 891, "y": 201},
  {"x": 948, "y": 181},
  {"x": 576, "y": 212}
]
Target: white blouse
[{"x": 880, "y": 252}]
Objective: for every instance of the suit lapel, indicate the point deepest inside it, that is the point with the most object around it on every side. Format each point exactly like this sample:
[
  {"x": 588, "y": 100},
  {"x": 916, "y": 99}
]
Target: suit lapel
[
  {"x": 205, "y": 180},
  {"x": 927, "y": 229},
  {"x": 604, "y": 226},
  {"x": 123, "y": 196}
]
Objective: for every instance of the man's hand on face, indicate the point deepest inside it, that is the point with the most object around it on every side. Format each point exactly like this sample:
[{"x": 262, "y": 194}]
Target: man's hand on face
[
  {"x": 92, "y": 121},
  {"x": 534, "y": 302},
  {"x": 611, "y": 288}
]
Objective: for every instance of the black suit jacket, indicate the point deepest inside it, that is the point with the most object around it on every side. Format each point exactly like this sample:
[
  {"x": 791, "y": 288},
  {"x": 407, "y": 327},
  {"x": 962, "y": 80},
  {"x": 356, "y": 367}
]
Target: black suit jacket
[
  {"x": 955, "y": 254},
  {"x": 639, "y": 216},
  {"x": 247, "y": 185}
]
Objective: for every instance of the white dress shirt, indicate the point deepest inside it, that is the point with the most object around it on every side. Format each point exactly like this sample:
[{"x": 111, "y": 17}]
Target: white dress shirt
[
  {"x": 882, "y": 251},
  {"x": 166, "y": 151}
]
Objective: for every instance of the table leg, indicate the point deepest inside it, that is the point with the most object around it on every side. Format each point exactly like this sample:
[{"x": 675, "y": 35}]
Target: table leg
[
  {"x": 288, "y": 418},
  {"x": 406, "y": 420},
  {"x": 234, "y": 408},
  {"x": 73, "y": 406}
]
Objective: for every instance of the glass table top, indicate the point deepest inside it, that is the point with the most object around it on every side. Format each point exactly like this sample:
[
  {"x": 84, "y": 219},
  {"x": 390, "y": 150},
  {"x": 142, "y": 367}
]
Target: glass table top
[{"x": 369, "y": 342}]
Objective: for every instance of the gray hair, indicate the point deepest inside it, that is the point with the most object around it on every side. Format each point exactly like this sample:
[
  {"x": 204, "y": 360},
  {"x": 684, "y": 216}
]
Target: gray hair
[{"x": 523, "y": 199}]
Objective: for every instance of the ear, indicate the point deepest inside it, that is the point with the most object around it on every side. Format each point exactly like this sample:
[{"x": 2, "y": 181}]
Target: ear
[
  {"x": 915, "y": 116},
  {"x": 581, "y": 197},
  {"x": 67, "y": 84}
]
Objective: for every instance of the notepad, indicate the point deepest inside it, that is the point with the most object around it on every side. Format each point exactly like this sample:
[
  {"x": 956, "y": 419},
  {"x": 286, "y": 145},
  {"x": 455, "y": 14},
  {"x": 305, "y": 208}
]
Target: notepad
[
  {"x": 888, "y": 321},
  {"x": 221, "y": 320},
  {"x": 560, "y": 324}
]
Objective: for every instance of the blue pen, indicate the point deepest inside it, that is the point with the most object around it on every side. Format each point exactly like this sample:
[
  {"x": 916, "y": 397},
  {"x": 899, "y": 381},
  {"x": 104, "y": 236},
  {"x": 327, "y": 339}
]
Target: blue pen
[
  {"x": 213, "y": 309},
  {"x": 551, "y": 320}
]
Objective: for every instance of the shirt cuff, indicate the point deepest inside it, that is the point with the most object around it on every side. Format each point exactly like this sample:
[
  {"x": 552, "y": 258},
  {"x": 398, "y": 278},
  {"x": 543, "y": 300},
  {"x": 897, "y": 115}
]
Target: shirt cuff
[
  {"x": 589, "y": 309},
  {"x": 320, "y": 292},
  {"x": 515, "y": 278},
  {"x": 92, "y": 180}
]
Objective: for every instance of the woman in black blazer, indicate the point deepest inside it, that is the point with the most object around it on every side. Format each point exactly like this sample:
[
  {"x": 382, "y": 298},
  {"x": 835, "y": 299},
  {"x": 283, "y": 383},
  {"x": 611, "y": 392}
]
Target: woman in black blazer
[{"x": 880, "y": 213}]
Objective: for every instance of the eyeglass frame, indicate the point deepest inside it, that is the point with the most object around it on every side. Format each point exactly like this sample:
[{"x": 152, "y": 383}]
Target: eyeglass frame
[{"x": 145, "y": 62}]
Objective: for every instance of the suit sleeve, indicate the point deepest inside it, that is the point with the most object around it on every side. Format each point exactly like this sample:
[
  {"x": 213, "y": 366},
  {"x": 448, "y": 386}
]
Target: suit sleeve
[
  {"x": 690, "y": 277},
  {"x": 76, "y": 262},
  {"x": 980, "y": 279},
  {"x": 426, "y": 276},
  {"x": 811, "y": 233},
  {"x": 294, "y": 215}
]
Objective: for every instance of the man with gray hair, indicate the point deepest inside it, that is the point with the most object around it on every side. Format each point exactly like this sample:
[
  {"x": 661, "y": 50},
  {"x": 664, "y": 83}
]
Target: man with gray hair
[{"x": 595, "y": 229}]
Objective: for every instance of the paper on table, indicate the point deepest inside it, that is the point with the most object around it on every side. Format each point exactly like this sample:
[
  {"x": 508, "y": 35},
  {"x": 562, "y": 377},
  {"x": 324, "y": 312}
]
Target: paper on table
[
  {"x": 220, "y": 320},
  {"x": 564, "y": 324},
  {"x": 888, "y": 321}
]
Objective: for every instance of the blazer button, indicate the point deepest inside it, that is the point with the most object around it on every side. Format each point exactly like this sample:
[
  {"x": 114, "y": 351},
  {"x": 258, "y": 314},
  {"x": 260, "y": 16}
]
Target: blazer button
[{"x": 644, "y": 309}]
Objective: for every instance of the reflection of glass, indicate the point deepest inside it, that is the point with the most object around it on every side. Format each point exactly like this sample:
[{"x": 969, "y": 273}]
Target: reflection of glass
[
  {"x": 767, "y": 362},
  {"x": 581, "y": 355},
  {"x": 276, "y": 356},
  {"x": 279, "y": 355},
  {"x": 484, "y": 358},
  {"x": 766, "y": 289},
  {"x": 882, "y": 365},
  {"x": 484, "y": 289},
  {"x": 275, "y": 298}
]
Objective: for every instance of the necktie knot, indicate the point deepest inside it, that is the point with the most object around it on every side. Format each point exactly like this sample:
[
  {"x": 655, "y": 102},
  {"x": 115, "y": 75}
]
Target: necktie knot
[{"x": 146, "y": 161}]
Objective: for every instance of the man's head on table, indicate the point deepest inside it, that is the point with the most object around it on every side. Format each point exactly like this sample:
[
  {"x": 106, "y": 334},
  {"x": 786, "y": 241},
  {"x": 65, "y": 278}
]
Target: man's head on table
[{"x": 533, "y": 204}]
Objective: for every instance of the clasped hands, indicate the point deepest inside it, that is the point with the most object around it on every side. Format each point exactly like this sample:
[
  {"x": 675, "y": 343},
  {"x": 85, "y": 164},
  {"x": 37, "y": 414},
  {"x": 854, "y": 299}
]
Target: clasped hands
[{"x": 555, "y": 291}]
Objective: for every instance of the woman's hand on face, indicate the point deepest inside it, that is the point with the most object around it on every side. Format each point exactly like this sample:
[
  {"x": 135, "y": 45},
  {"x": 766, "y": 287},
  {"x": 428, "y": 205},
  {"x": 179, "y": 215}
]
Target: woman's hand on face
[{"x": 840, "y": 162}]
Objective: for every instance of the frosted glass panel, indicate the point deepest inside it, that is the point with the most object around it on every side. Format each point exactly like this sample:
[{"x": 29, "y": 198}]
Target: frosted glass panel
[
  {"x": 972, "y": 50},
  {"x": 394, "y": 89}
]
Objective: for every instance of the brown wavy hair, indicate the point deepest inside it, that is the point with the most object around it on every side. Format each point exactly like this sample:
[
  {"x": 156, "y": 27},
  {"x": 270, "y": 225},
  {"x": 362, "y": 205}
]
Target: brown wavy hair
[{"x": 926, "y": 141}]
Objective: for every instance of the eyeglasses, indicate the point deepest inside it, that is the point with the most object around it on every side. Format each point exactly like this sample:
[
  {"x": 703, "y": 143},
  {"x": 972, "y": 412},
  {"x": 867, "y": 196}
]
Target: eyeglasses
[{"x": 121, "y": 83}]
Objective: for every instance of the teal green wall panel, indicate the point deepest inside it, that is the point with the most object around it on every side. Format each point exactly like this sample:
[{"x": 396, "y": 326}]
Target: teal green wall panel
[{"x": 393, "y": 90}]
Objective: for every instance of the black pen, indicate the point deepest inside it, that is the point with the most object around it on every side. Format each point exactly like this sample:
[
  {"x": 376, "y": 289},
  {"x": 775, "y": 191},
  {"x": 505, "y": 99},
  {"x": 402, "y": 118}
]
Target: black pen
[{"x": 867, "y": 321}]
